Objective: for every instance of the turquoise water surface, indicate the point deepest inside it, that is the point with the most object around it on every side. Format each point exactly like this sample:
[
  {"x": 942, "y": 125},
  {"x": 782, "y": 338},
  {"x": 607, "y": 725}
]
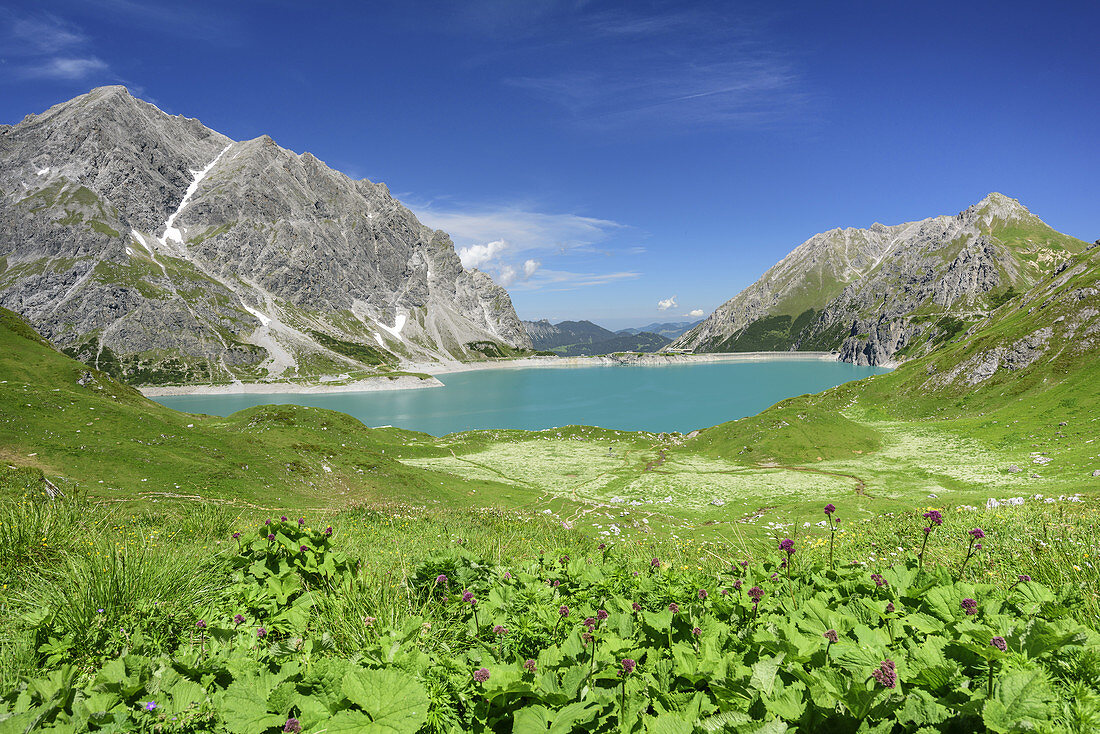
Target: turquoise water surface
[{"x": 650, "y": 398}]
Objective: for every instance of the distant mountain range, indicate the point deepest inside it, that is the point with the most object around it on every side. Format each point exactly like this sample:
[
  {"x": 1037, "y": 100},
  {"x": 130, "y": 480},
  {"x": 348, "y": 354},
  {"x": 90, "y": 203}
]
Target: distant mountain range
[
  {"x": 669, "y": 330},
  {"x": 887, "y": 292},
  {"x": 584, "y": 338},
  {"x": 160, "y": 251}
]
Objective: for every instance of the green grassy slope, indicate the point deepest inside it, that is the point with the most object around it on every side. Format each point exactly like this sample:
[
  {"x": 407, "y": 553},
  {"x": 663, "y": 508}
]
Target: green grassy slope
[
  {"x": 885, "y": 444},
  {"x": 1050, "y": 406},
  {"x": 103, "y": 439}
]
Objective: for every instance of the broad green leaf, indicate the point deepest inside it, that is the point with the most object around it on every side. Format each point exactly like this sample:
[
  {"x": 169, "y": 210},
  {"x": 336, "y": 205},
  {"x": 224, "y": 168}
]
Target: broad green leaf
[
  {"x": 920, "y": 709},
  {"x": 789, "y": 703},
  {"x": 1020, "y": 702},
  {"x": 243, "y": 705},
  {"x": 668, "y": 724},
  {"x": 763, "y": 674},
  {"x": 395, "y": 701}
]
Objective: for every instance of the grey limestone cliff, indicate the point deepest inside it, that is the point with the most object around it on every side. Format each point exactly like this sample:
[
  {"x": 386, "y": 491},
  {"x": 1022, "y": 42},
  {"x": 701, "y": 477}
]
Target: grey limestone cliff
[
  {"x": 886, "y": 292},
  {"x": 154, "y": 247}
]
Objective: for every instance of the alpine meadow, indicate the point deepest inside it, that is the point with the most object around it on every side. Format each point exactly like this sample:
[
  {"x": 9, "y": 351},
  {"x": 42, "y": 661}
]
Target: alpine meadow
[{"x": 581, "y": 190}]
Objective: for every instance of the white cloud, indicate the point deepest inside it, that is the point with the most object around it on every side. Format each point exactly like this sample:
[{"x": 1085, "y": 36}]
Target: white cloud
[
  {"x": 522, "y": 229},
  {"x": 695, "y": 313},
  {"x": 63, "y": 68},
  {"x": 43, "y": 46},
  {"x": 530, "y": 267},
  {"x": 477, "y": 256},
  {"x": 506, "y": 275},
  {"x": 564, "y": 280},
  {"x": 666, "y": 303}
]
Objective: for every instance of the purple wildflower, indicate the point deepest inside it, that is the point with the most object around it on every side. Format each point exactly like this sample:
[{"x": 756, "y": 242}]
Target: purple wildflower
[
  {"x": 261, "y": 633},
  {"x": 201, "y": 624},
  {"x": 481, "y": 675},
  {"x": 737, "y": 584},
  {"x": 150, "y": 705},
  {"x": 830, "y": 509},
  {"x": 927, "y": 531},
  {"x": 238, "y": 619},
  {"x": 601, "y": 546},
  {"x": 271, "y": 536},
  {"x": 744, "y": 564},
  {"x": 328, "y": 530},
  {"x": 628, "y": 666},
  {"x": 889, "y": 607},
  {"x": 636, "y": 607},
  {"x": 831, "y": 635},
  {"x": 1024, "y": 577},
  {"x": 934, "y": 517},
  {"x": 887, "y": 674},
  {"x": 267, "y": 521},
  {"x": 303, "y": 548},
  {"x": 702, "y": 594},
  {"x": 601, "y": 614},
  {"x": 787, "y": 546},
  {"x": 283, "y": 518},
  {"x": 724, "y": 592},
  {"x": 756, "y": 594},
  {"x": 507, "y": 574},
  {"x": 563, "y": 610},
  {"x": 301, "y": 521},
  {"x": 530, "y": 666},
  {"x": 500, "y": 630},
  {"x": 556, "y": 584},
  {"x": 999, "y": 643},
  {"x": 674, "y": 608},
  {"x": 977, "y": 533},
  {"x": 970, "y": 606},
  {"x": 879, "y": 580},
  {"x": 441, "y": 579},
  {"x": 468, "y": 597},
  {"x": 590, "y": 622},
  {"x": 292, "y": 726},
  {"x": 696, "y": 631},
  {"x": 655, "y": 563},
  {"x": 236, "y": 535}
]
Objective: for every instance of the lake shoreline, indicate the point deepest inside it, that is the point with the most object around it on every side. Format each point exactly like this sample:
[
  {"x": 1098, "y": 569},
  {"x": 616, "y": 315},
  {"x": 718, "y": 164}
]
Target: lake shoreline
[{"x": 408, "y": 382}]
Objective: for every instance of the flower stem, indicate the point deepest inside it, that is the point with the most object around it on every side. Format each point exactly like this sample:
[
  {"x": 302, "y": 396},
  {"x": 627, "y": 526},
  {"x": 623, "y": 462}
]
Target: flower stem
[{"x": 969, "y": 553}]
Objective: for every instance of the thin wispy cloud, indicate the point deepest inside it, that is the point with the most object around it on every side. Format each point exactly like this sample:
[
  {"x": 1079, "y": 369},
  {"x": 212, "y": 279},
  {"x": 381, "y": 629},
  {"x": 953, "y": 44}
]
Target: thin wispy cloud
[
  {"x": 564, "y": 280},
  {"x": 740, "y": 91},
  {"x": 522, "y": 229},
  {"x": 41, "y": 46},
  {"x": 512, "y": 242},
  {"x": 65, "y": 68},
  {"x": 669, "y": 68}
]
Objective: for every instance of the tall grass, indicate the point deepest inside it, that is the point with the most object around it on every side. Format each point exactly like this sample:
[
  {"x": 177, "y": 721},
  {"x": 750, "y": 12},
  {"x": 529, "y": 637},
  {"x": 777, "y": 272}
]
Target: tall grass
[{"x": 37, "y": 532}]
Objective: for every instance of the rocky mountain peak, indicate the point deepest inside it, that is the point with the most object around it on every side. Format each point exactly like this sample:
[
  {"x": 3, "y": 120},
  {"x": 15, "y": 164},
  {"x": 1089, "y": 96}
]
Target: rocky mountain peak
[
  {"x": 874, "y": 293},
  {"x": 996, "y": 207},
  {"x": 125, "y": 231}
]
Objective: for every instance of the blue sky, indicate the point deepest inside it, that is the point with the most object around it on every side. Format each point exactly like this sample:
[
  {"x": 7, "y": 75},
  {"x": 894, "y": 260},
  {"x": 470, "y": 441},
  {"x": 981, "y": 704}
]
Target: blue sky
[{"x": 607, "y": 159}]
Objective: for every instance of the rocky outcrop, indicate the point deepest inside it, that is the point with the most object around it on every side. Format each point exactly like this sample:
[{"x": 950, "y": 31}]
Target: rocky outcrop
[
  {"x": 886, "y": 292},
  {"x": 154, "y": 247},
  {"x": 1055, "y": 325}
]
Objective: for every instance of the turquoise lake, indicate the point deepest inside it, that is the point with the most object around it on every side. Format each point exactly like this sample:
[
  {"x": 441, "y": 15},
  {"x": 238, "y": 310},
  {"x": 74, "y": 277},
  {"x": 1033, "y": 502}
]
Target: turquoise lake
[{"x": 651, "y": 398}]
